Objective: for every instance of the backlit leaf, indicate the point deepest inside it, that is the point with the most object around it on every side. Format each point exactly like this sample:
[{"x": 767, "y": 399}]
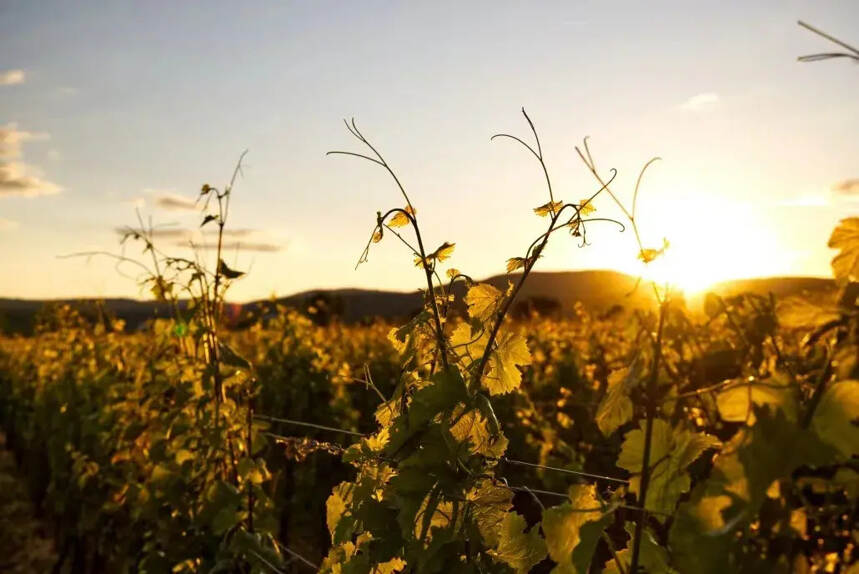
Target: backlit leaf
[
  {"x": 518, "y": 549},
  {"x": 562, "y": 524},
  {"x": 845, "y": 238},
  {"x": 835, "y": 419},
  {"x": 671, "y": 451},
  {"x": 551, "y": 207},
  {"x": 400, "y": 219},
  {"x": 482, "y": 300},
  {"x": 503, "y": 375}
]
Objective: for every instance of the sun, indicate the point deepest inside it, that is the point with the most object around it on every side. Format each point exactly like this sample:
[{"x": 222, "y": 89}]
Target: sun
[{"x": 710, "y": 241}]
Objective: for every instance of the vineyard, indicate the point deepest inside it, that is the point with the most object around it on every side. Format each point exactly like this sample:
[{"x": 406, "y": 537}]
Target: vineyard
[
  {"x": 618, "y": 440},
  {"x": 658, "y": 438}
]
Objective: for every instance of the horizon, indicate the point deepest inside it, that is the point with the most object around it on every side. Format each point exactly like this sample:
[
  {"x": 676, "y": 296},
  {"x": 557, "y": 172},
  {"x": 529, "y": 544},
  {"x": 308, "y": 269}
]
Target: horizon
[
  {"x": 689, "y": 295},
  {"x": 92, "y": 98}
]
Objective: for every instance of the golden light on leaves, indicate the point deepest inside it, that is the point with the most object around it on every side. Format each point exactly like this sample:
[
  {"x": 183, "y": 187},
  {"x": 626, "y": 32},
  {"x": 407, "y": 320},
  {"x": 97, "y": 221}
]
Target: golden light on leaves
[
  {"x": 444, "y": 251},
  {"x": 551, "y": 207},
  {"x": 649, "y": 254},
  {"x": 401, "y": 219},
  {"x": 515, "y": 263},
  {"x": 586, "y": 207},
  {"x": 845, "y": 238}
]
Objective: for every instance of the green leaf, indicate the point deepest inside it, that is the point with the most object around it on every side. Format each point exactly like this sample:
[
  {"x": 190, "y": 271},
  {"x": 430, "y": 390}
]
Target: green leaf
[
  {"x": 518, "y": 549},
  {"x": 589, "y": 535},
  {"x": 562, "y": 524},
  {"x": 209, "y": 218},
  {"x": 836, "y": 416},
  {"x": 735, "y": 403},
  {"x": 651, "y": 555},
  {"x": 671, "y": 451}
]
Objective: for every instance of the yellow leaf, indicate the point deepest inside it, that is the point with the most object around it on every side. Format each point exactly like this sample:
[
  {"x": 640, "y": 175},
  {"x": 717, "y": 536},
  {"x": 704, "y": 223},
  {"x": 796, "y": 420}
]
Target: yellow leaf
[
  {"x": 845, "y": 238},
  {"x": 482, "y": 300},
  {"x": 444, "y": 251},
  {"x": 552, "y": 207},
  {"x": 452, "y": 272},
  {"x": 377, "y": 236},
  {"x": 503, "y": 375},
  {"x": 515, "y": 263},
  {"x": 647, "y": 255},
  {"x": 401, "y": 219},
  {"x": 518, "y": 549},
  {"x": 586, "y": 207}
]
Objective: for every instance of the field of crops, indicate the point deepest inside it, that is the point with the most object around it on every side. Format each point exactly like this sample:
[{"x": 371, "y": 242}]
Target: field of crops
[
  {"x": 609, "y": 440},
  {"x": 752, "y": 450}
]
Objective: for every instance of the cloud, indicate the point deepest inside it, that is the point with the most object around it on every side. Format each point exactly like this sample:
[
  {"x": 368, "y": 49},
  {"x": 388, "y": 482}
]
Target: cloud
[
  {"x": 847, "y": 187},
  {"x": 183, "y": 236},
  {"x": 8, "y": 224},
  {"x": 12, "y": 77},
  {"x": 258, "y": 247},
  {"x": 173, "y": 202},
  {"x": 700, "y": 102},
  {"x": 239, "y": 239},
  {"x": 16, "y": 178}
]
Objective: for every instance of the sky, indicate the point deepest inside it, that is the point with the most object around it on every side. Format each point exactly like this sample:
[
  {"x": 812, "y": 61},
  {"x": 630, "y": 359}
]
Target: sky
[{"x": 111, "y": 108}]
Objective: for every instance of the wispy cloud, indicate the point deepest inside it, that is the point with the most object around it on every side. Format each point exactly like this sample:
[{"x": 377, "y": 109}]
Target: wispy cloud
[
  {"x": 16, "y": 178},
  {"x": 172, "y": 201},
  {"x": 257, "y": 247},
  {"x": 7, "y": 224},
  {"x": 847, "y": 188},
  {"x": 239, "y": 239},
  {"x": 700, "y": 102},
  {"x": 12, "y": 77}
]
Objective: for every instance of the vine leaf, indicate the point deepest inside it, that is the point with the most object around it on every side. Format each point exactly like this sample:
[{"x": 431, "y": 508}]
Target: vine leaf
[
  {"x": 444, "y": 251},
  {"x": 735, "y": 404},
  {"x": 401, "y": 219},
  {"x": 586, "y": 207},
  {"x": 490, "y": 504},
  {"x": 551, "y": 207},
  {"x": 515, "y": 263},
  {"x": 225, "y": 270},
  {"x": 482, "y": 300},
  {"x": 653, "y": 557},
  {"x": 845, "y": 238},
  {"x": 671, "y": 451},
  {"x": 835, "y": 418},
  {"x": 649, "y": 254},
  {"x": 518, "y": 549},
  {"x": 562, "y": 525},
  {"x": 473, "y": 428},
  {"x": 503, "y": 375},
  {"x": 616, "y": 408}
]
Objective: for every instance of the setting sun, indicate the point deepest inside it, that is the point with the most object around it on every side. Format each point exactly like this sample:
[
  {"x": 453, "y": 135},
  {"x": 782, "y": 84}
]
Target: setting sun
[{"x": 710, "y": 241}]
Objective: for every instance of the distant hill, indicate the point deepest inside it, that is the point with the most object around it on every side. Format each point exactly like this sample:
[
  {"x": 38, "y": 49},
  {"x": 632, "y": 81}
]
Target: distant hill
[{"x": 557, "y": 290}]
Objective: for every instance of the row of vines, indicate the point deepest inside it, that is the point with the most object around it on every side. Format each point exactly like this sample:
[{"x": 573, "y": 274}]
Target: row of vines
[{"x": 636, "y": 440}]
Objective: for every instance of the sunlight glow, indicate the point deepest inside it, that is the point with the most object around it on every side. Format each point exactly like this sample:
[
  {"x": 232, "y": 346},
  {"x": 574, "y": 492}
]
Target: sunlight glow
[{"x": 710, "y": 241}]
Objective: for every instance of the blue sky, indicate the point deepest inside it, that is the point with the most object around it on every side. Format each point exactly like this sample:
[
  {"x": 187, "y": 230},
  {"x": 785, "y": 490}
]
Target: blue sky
[{"x": 104, "y": 108}]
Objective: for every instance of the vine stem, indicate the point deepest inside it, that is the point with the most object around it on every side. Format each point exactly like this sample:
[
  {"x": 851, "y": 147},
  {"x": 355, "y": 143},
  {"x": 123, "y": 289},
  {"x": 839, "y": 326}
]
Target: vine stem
[{"x": 648, "y": 439}]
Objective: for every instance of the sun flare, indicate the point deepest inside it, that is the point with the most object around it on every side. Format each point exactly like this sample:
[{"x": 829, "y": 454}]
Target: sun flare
[{"x": 710, "y": 241}]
